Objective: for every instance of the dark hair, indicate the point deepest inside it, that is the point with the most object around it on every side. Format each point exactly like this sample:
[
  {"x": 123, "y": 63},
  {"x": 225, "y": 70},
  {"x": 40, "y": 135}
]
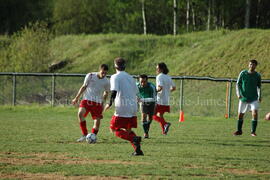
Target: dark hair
[
  {"x": 104, "y": 67},
  {"x": 120, "y": 63},
  {"x": 163, "y": 67},
  {"x": 254, "y": 61},
  {"x": 143, "y": 76}
]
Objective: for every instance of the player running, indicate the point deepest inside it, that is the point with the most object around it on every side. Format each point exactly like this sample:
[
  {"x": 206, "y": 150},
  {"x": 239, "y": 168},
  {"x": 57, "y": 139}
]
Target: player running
[
  {"x": 147, "y": 100},
  {"x": 248, "y": 90},
  {"x": 165, "y": 85},
  {"x": 123, "y": 92},
  {"x": 95, "y": 88}
]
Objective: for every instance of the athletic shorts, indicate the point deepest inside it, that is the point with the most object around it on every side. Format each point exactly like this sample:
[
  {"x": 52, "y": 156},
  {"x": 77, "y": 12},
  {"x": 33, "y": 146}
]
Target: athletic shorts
[
  {"x": 244, "y": 106},
  {"x": 123, "y": 122},
  {"x": 93, "y": 107},
  {"x": 148, "y": 108},
  {"x": 162, "y": 109}
]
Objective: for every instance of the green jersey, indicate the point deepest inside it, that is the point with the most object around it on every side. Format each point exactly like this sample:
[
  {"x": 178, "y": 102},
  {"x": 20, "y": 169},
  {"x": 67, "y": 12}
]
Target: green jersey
[
  {"x": 147, "y": 93},
  {"x": 249, "y": 86}
]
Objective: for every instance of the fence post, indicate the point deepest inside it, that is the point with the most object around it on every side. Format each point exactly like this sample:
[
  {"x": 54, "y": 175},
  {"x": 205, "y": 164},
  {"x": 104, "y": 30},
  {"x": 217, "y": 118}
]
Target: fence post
[
  {"x": 181, "y": 94},
  {"x": 14, "y": 90},
  {"x": 53, "y": 89},
  {"x": 230, "y": 97}
]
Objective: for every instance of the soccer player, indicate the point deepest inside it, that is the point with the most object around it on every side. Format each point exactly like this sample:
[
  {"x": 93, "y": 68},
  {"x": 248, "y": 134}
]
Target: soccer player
[
  {"x": 147, "y": 99},
  {"x": 248, "y": 90},
  {"x": 95, "y": 88},
  {"x": 123, "y": 92},
  {"x": 165, "y": 85}
]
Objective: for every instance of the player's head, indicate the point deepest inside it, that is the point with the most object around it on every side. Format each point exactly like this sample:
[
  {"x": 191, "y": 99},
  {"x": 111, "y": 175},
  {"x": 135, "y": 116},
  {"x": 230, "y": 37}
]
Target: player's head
[
  {"x": 143, "y": 79},
  {"x": 252, "y": 64},
  {"x": 103, "y": 69},
  {"x": 162, "y": 68},
  {"x": 120, "y": 63}
]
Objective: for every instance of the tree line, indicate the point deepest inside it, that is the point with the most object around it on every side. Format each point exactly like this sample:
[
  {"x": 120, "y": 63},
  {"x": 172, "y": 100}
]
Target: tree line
[{"x": 134, "y": 16}]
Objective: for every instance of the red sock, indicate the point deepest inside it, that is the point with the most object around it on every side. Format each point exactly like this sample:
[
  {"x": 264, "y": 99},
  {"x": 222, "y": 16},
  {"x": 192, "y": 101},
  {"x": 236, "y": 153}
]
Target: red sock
[
  {"x": 161, "y": 121},
  {"x": 126, "y": 136},
  {"x": 83, "y": 128},
  {"x": 95, "y": 131}
]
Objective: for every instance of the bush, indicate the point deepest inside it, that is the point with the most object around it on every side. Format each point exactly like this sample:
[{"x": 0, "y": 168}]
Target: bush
[{"x": 30, "y": 49}]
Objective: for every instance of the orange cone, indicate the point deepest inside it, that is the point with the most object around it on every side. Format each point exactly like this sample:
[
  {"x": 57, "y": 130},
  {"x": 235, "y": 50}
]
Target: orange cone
[{"x": 181, "y": 118}]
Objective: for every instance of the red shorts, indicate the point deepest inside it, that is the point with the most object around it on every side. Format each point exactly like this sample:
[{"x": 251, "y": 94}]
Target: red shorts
[
  {"x": 123, "y": 122},
  {"x": 162, "y": 109},
  {"x": 93, "y": 107}
]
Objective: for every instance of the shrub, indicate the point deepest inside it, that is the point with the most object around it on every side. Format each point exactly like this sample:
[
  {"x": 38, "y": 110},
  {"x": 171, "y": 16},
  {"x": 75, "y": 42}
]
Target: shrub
[{"x": 30, "y": 49}]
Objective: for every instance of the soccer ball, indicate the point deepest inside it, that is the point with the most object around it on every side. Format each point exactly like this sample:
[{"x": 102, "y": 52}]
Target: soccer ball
[
  {"x": 267, "y": 116},
  {"x": 91, "y": 138}
]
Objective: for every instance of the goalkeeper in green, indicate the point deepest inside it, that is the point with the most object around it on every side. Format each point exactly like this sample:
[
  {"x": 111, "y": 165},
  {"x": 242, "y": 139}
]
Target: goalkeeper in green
[
  {"x": 248, "y": 90},
  {"x": 147, "y": 101}
]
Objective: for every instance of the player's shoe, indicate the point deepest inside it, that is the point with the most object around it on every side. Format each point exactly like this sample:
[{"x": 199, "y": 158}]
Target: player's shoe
[
  {"x": 137, "y": 144},
  {"x": 237, "y": 133},
  {"x": 166, "y": 128},
  {"x": 253, "y": 134},
  {"x": 81, "y": 139},
  {"x": 146, "y": 136}
]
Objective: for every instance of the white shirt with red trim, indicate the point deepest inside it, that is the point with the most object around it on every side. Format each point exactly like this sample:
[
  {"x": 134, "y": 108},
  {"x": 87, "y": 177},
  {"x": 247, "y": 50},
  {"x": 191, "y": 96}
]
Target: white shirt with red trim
[
  {"x": 126, "y": 99},
  {"x": 95, "y": 87},
  {"x": 166, "y": 82}
]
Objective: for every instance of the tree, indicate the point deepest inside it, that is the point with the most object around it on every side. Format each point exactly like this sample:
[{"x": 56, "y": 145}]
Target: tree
[
  {"x": 247, "y": 15},
  {"x": 144, "y": 19},
  {"x": 209, "y": 15},
  {"x": 174, "y": 17},
  {"x": 187, "y": 17}
]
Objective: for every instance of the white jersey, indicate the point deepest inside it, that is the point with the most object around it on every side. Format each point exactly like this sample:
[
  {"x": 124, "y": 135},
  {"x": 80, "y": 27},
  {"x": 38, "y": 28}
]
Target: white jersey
[
  {"x": 164, "y": 95},
  {"x": 126, "y": 99},
  {"x": 95, "y": 87}
]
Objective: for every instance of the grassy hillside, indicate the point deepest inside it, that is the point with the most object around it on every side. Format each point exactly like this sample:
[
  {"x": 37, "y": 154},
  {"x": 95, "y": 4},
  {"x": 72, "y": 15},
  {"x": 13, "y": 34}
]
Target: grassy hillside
[{"x": 216, "y": 53}]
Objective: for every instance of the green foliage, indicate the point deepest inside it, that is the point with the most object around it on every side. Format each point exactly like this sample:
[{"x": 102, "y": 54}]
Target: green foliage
[
  {"x": 217, "y": 53},
  {"x": 30, "y": 49},
  {"x": 43, "y": 146},
  {"x": 74, "y": 17},
  {"x": 16, "y": 14}
]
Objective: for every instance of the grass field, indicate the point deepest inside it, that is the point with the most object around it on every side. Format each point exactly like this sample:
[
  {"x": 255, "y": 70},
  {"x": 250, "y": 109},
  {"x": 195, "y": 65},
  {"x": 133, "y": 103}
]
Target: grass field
[{"x": 39, "y": 142}]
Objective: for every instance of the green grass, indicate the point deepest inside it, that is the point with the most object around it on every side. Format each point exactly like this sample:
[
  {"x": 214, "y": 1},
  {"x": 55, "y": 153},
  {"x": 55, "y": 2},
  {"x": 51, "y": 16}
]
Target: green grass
[
  {"x": 40, "y": 142},
  {"x": 220, "y": 53}
]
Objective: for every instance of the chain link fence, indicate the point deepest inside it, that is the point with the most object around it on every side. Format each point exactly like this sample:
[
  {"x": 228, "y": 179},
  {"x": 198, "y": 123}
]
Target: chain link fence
[{"x": 196, "y": 96}]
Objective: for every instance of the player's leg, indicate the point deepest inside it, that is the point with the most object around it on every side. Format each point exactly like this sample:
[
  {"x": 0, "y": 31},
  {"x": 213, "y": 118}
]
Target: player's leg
[
  {"x": 96, "y": 126},
  {"x": 254, "y": 109},
  {"x": 145, "y": 124},
  {"x": 150, "y": 113},
  {"x": 82, "y": 121},
  {"x": 96, "y": 113},
  {"x": 143, "y": 108},
  {"x": 122, "y": 129},
  {"x": 166, "y": 125},
  {"x": 242, "y": 108}
]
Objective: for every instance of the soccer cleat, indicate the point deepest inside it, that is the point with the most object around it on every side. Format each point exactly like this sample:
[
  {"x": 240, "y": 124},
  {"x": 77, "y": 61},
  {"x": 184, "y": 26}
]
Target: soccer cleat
[
  {"x": 146, "y": 136},
  {"x": 166, "y": 128},
  {"x": 253, "y": 134},
  {"x": 137, "y": 143},
  {"x": 139, "y": 153},
  {"x": 237, "y": 133},
  {"x": 81, "y": 139}
]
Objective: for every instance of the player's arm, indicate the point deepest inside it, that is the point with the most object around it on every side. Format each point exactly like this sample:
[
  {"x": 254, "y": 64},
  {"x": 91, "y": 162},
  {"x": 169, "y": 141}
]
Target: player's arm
[
  {"x": 259, "y": 89},
  {"x": 113, "y": 96},
  {"x": 173, "y": 88},
  {"x": 239, "y": 86},
  {"x": 80, "y": 92},
  {"x": 105, "y": 95},
  {"x": 159, "y": 88}
]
